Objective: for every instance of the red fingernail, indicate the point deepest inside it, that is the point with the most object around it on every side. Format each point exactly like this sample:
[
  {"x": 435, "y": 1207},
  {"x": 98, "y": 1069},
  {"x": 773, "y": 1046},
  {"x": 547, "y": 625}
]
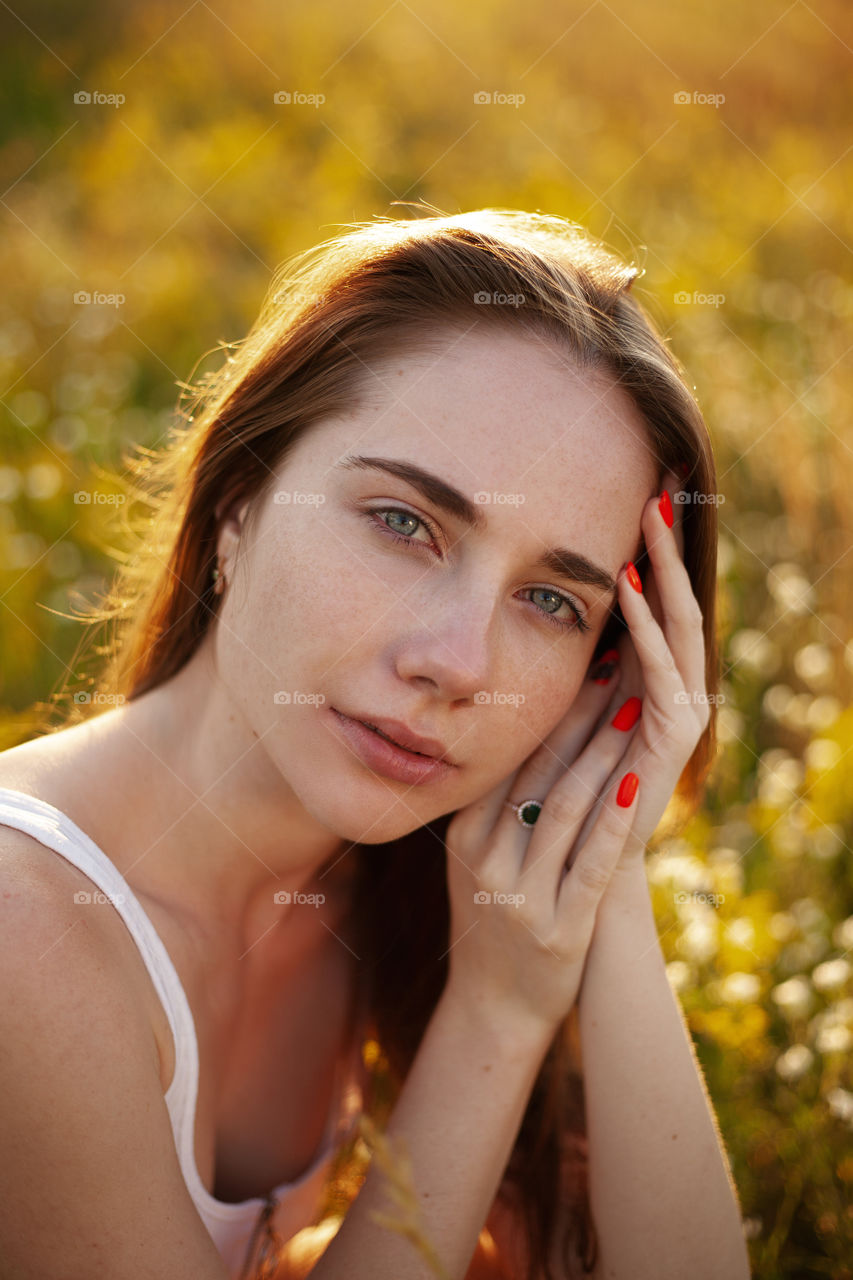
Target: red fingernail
[
  {"x": 633, "y": 576},
  {"x": 665, "y": 507},
  {"x": 627, "y": 789},
  {"x": 604, "y": 668},
  {"x": 628, "y": 714}
]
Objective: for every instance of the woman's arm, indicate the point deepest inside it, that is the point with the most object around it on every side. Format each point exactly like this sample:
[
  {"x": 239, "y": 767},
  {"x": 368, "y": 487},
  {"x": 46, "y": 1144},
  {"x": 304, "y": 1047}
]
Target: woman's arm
[
  {"x": 459, "y": 1113},
  {"x": 661, "y": 1191}
]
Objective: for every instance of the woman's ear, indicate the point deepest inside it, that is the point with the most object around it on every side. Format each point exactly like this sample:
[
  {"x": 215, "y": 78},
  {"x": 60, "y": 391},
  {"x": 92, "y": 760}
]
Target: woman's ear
[{"x": 230, "y": 529}]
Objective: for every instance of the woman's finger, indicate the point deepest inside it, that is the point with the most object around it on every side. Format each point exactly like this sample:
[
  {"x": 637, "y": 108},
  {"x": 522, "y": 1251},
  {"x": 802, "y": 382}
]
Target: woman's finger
[
  {"x": 537, "y": 777},
  {"x": 583, "y": 886},
  {"x": 659, "y": 766},
  {"x": 669, "y": 594},
  {"x": 541, "y": 858},
  {"x": 670, "y": 708},
  {"x": 478, "y": 822}
]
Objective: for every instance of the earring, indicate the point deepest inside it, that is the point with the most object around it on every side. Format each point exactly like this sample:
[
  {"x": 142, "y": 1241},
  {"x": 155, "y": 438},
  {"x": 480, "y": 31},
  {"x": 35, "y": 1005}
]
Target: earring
[{"x": 218, "y": 581}]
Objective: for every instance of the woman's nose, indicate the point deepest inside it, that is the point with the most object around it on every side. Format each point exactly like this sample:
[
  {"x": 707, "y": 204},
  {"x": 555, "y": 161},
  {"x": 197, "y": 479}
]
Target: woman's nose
[{"x": 453, "y": 654}]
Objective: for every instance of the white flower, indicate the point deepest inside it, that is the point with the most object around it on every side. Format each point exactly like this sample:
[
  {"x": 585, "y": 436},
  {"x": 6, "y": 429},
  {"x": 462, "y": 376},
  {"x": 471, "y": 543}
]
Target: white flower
[
  {"x": 739, "y": 988},
  {"x": 843, "y": 934},
  {"x": 685, "y": 869},
  {"x": 840, "y": 1102},
  {"x": 779, "y": 776},
  {"x": 698, "y": 941},
  {"x": 751, "y": 648},
  {"x": 822, "y": 754},
  {"x": 833, "y": 1039},
  {"x": 824, "y": 711},
  {"x": 793, "y": 997},
  {"x": 790, "y": 588},
  {"x": 797, "y": 712},
  {"x": 831, "y": 974},
  {"x": 794, "y": 1062},
  {"x": 837, "y": 1014},
  {"x": 741, "y": 931},
  {"x": 775, "y": 700},
  {"x": 680, "y": 974},
  {"x": 813, "y": 663}
]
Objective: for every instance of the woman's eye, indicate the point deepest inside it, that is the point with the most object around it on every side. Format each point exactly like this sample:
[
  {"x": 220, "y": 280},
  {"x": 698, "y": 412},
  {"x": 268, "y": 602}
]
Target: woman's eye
[
  {"x": 407, "y": 523},
  {"x": 576, "y": 622}
]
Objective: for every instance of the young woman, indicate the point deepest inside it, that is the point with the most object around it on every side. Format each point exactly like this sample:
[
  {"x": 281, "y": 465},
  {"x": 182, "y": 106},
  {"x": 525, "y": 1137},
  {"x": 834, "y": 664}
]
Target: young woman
[{"x": 413, "y": 655}]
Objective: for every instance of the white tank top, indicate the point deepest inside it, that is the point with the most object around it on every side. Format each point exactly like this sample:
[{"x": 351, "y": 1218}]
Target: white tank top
[{"x": 237, "y": 1230}]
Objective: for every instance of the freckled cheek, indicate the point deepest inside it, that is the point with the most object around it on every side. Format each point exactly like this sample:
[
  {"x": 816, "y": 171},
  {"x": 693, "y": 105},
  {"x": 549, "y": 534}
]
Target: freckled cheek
[
  {"x": 311, "y": 595},
  {"x": 541, "y": 704}
]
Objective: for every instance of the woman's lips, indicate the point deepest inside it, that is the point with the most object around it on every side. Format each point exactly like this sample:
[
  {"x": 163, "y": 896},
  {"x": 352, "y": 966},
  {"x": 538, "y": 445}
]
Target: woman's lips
[{"x": 386, "y": 758}]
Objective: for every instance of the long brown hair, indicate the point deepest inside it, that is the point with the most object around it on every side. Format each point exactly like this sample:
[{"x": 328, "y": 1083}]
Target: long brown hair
[{"x": 377, "y": 289}]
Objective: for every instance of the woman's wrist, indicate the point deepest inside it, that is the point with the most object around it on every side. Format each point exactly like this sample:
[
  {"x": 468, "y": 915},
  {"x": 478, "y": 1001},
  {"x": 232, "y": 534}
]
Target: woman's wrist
[
  {"x": 511, "y": 1032},
  {"x": 628, "y": 888}
]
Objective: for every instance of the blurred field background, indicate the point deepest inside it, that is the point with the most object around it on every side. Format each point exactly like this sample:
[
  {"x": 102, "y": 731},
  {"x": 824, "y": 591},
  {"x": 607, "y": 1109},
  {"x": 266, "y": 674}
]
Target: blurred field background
[{"x": 184, "y": 198}]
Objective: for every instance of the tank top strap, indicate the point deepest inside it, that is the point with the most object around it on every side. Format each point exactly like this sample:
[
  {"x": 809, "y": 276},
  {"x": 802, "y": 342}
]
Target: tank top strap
[{"x": 54, "y": 829}]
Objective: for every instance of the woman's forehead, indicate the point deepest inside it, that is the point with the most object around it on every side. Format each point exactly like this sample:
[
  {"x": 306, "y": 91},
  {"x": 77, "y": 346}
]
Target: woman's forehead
[{"x": 494, "y": 403}]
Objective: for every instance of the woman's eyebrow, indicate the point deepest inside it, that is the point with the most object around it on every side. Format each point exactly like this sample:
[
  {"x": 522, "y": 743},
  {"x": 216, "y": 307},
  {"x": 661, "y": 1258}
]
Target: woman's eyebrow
[{"x": 559, "y": 561}]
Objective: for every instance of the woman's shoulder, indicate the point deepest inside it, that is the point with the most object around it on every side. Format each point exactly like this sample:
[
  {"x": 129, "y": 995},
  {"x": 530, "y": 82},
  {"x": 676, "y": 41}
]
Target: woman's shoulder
[
  {"x": 40, "y": 894},
  {"x": 48, "y": 908},
  {"x": 35, "y": 770}
]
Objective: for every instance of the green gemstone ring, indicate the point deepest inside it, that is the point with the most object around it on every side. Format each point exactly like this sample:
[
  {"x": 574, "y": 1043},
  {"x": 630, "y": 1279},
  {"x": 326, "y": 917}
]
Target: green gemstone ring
[{"x": 527, "y": 811}]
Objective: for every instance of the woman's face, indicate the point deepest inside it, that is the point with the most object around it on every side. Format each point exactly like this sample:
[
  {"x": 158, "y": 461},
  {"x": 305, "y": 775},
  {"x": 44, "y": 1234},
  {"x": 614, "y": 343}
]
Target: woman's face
[{"x": 454, "y": 629}]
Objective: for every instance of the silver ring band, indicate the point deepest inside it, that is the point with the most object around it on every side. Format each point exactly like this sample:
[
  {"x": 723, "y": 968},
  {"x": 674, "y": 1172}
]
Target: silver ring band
[{"x": 527, "y": 811}]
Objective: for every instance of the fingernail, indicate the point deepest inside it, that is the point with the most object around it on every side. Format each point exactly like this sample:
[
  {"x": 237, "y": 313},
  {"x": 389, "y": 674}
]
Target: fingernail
[
  {"x": 628, "y": 714},
  {"x": 633, "y": 576},
  {"x": 604, "y": 668},
  {"x": 627, "y": 789},
  {"x": 665, "y": 507}
]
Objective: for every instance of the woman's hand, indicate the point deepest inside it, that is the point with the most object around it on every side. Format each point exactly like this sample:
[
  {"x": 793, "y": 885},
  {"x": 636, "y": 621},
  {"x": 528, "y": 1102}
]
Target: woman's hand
[
  {"x": 521, "y": 953},
  {"x": 669, "y": 627}
]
